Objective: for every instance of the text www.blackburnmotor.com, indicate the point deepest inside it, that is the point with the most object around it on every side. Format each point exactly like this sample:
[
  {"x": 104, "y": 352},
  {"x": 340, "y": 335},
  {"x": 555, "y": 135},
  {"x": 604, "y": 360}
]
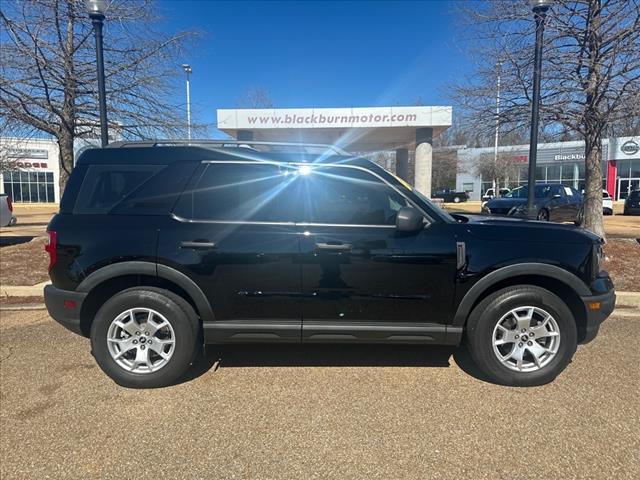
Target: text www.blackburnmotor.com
[{"x": 294, "y": 119}]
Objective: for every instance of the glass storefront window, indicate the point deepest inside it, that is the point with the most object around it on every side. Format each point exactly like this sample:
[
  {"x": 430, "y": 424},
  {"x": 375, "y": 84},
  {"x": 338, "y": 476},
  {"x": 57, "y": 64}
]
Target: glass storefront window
[
  {"x": 623, "y": 168},
  {"x": 36, "y": 187},
  {"x": 26, "y": 195},
  {"x": 524, "y": 173},
  {"x": 553, "y": 173},
  {"x": 570, "y": 174}
]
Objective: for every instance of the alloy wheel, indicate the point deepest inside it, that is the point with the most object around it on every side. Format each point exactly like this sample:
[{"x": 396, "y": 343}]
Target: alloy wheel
[
  {"x": 141, "y": 340},
  {"x": 526, "y": 339}
]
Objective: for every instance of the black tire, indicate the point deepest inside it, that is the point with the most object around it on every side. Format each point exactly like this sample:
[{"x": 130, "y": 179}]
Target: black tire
[
  {"x": 543, "y": 215},
  {"x": 579, "y": 219},
  {"x": 178, "y": 313},
  {"x": 456, "y": 199},
  {"x": 483, "y": 321}
]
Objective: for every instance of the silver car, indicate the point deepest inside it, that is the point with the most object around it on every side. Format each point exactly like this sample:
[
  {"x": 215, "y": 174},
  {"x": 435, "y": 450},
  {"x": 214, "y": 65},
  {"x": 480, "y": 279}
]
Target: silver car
[{"x": 6, "y": 211}]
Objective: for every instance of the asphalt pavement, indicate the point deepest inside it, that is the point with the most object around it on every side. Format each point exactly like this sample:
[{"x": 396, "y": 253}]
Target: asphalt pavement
[{"x": 304, "y": 412}]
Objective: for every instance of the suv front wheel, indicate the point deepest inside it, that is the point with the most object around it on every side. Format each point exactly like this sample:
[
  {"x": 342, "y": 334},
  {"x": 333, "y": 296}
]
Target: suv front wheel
[
  {"x": 522, "y": 336},
  {"x": 145, "y": 337}
]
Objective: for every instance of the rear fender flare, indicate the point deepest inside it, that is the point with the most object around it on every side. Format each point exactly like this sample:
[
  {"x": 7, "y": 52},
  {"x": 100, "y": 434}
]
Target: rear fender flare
[{"x": 147, "y": 268}]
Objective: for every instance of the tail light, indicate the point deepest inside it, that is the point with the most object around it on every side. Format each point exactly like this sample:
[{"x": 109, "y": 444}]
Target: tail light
[
  {"x": 9, "y": 203},
  {"x": 52, "y": 248}
]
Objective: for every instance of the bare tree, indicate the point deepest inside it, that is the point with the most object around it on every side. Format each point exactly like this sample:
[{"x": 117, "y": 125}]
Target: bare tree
[
  {"x": 444, "y": 167},
  {"x": 499, "y": 170},
  {"x": 48, "y": 72},
  {"x": 255, "y": 97},
  {"x": 590, "y": 74}
]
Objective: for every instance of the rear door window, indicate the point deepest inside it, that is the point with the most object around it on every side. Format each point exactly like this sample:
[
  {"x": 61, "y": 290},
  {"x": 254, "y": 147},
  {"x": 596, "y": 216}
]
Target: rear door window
[
  {"x": 106, "y": 185},
  {"x": 240, "y": 193}
]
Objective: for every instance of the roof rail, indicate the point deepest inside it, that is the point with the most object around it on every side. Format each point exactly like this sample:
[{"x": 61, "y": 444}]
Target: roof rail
[{"x": 224, "y": 143}]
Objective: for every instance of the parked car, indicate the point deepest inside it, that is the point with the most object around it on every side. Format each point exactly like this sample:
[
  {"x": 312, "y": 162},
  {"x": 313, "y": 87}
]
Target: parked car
[
  {"x": 552, "y": 203},
  {"x": 159, "y": 249},
  {"x": 489, "y": 194},
  {"x": 607, "y": 203},
  {"x": 632, "y": 203},
  {"x": 7, "y": 218},
  {"x": 451, "y": 196}
]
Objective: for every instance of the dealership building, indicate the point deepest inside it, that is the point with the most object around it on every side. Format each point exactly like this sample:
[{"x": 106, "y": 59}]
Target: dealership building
[
  {"x": 561, "y": 162},
  {"x": 34, "y": 172}
]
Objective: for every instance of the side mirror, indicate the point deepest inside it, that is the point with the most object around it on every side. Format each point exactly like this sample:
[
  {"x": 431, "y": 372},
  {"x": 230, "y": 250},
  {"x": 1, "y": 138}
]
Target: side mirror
[{"x": 409, "y": 219}]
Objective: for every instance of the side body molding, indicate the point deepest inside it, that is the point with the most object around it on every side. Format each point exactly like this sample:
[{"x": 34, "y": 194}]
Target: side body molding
[
  {"x": 538, "y": 269},
  {"x": 147, "y": 268}
]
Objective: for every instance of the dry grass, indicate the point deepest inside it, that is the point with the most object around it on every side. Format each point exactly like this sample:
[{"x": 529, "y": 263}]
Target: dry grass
[
  {"x": 622, "y": 257},
  {"x": 24, "y": 264}
]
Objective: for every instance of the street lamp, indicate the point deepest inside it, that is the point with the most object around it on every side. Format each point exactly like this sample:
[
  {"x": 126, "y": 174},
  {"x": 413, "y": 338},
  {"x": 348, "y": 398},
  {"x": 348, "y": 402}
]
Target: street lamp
[
  {"x": 187, "y": 69},
  {"x": 495, "y": 147},
  {"x": 539, "y": 8},
  {"x": 96, "y": 9}
]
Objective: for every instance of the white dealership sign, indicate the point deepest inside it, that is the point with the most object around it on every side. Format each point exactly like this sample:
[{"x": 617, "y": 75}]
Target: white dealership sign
[{"x": 302, "y": 118}]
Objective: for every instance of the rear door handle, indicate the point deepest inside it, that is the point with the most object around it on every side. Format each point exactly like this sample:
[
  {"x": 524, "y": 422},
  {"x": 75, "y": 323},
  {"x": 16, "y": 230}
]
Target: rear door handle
[
  {"x": 333, "y": 246},
  {"x": 204, "y": 244}
]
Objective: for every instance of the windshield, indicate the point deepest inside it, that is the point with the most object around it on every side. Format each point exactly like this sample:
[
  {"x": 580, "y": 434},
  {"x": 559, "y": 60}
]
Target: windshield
[
  {"x": 541, "y": 191},
  {"x": 433, "y": 205},
  {"x": 419, "y": 195}
]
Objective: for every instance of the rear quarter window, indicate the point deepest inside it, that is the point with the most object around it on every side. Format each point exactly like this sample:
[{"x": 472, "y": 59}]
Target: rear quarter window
[
  {"x": 106, "y": 185},
  {"x": 158, "y": 194}
]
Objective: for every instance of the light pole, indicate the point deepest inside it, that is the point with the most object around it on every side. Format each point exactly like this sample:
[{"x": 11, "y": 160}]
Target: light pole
[
  {"x": 539, "y": 8},
  {"x": 96, "y": 9},
  {"x": 187, "y": 69},
  {"x": 495, "y": 147}
]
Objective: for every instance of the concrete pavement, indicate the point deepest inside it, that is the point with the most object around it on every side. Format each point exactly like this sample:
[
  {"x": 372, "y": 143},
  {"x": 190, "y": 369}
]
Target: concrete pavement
[{"x": 315, "y": 412}]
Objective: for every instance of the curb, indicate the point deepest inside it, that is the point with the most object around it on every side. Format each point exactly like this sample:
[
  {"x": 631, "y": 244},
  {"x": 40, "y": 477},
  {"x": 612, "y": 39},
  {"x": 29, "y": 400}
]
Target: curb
[
  {"x": 18, "y": 307},
  {"x": 23, "y": 291}
]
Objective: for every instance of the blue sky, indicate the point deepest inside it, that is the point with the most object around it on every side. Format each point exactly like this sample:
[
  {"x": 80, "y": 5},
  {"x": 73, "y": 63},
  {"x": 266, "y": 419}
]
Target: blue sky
[{"x": 320, "y": 54}]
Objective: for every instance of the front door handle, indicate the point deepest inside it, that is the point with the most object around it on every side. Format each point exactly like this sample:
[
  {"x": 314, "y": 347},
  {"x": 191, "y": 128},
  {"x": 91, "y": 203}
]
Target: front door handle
[
  {"x": 333, "y": 246},
  {"x": 203, "y": 244}
]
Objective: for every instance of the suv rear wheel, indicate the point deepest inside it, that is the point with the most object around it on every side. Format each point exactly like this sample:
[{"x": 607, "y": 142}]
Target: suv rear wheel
[
  {"x": 522, "y": 336},
  {"x": 145, "y": 337}
]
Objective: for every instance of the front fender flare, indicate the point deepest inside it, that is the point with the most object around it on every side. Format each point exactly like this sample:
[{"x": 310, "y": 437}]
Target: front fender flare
[{"x": 512, "y": 271}]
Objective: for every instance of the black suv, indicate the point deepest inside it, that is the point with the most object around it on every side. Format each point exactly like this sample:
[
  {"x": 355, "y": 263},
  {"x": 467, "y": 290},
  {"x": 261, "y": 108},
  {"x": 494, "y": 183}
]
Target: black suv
[{"x": 160, "y": 248}]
